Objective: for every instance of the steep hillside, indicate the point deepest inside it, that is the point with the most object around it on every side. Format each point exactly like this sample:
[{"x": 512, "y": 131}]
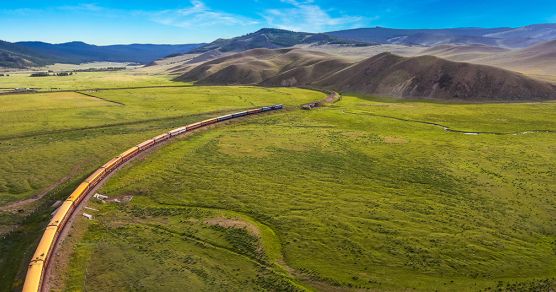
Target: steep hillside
[
  {"x": 270, "y": 38},
  {"x": 384, "y": 74},
  {"x": 432, "y": 77}
]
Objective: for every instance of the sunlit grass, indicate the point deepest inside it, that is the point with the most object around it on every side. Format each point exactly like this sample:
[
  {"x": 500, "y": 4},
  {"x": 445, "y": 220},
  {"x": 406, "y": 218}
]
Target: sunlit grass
[{"x": 348, "y": 199}]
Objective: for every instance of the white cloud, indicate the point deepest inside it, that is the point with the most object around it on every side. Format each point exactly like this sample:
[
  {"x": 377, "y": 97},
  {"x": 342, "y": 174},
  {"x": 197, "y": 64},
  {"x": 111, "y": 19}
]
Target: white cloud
[
  {"x": 307, "y": 16},
  {"x": 89, "y": 7},
  {"x": 199, "y": 15}
]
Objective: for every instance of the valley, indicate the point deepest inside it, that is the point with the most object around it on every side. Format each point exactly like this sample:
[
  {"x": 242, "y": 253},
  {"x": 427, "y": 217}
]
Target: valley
[
  {"x": 277, "y": 232},
  {"x": 400, "y": 159}
]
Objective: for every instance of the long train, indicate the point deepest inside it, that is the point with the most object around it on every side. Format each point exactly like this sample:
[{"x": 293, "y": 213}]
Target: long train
[{"x": 43, "y": 254}]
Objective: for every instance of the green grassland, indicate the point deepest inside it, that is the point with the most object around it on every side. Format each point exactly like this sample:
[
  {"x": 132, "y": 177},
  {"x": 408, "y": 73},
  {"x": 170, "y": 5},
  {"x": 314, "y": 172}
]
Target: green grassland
[
  {"x": 50, "y": 141},
  {"x": 360, "y": 194},
  {"x": 51, "y": 133},
  {"x": 85, "y": 80}
]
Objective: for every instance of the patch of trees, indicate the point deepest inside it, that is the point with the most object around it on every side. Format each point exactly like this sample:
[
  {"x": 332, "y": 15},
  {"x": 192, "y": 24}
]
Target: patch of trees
[
  {"x": 101, "y": 69},
  {"x": 39, "y": 74},
  {"x": 50, "y": 73}
]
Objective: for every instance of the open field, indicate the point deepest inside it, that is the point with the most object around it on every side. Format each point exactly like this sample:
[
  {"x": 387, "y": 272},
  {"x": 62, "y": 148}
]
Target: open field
[
  {"x": 84, "y": 80},
  {"x": 56, "y": 139},
  {"x": 358, "y": 194},
  {"x": 68, "y": 122}
]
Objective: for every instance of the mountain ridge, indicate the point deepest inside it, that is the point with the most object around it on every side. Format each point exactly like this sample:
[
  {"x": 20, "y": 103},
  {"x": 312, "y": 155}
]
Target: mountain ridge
[
  {"x": 384, "y": 74},
  {"x": 272, "y": 38},
  {"x": 509, "y": 37}
]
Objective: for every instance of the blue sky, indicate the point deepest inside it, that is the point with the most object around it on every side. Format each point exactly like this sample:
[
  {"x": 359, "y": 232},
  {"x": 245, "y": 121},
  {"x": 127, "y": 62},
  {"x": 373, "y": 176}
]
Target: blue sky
[{"x": 190, "y": 21}]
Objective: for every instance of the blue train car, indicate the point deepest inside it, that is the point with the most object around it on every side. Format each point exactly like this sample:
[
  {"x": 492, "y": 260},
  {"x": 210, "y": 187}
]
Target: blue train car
[
  {"x": 240, "y": 114},
  {"x": 224, "y": 118}
]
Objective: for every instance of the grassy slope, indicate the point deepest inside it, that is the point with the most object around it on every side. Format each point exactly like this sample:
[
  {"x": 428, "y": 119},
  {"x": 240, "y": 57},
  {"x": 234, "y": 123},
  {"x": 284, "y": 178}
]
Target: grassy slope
[
  {"x": 346, "y": 198},
  {"x": 67, "y": 135},
  {"x": 49, "y": 133}
]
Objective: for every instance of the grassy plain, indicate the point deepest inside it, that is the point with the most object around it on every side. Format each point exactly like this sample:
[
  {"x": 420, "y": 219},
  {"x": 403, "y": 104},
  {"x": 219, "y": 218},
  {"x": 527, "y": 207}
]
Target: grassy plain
[
  {"x": 84, "y": 80},
  {"x": 49, "y": 141},
  {"x": 336, "y": 198}
]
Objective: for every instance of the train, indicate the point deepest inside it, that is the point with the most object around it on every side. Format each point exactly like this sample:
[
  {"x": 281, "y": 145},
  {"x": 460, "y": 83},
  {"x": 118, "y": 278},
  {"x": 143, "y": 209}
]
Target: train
[{"x": 43, "y": 254}]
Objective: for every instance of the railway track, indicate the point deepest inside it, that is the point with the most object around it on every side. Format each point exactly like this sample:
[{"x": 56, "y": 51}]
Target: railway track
[{"x": 40, "y": 264}]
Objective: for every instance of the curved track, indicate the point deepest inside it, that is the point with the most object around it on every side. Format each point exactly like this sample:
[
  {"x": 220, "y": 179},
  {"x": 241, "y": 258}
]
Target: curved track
[{"x": 40, "y": 264}]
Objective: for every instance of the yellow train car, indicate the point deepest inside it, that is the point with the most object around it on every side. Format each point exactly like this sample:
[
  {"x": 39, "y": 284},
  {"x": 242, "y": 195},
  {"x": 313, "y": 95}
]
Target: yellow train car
[
  {"x": 41, "y": 257},
  {"x": 96, "y": 177},
  {"x": 46, "y": 244},
  {"x": 194, "y": 126},
  {"x": 161, "y": 137},
  {"x": 33, "y": 278},
  {"x": 76, "y": 196},
  {"x": 59, "y": 219},
  {"x": 129, "y": 153},
  {"x": 145, "y": 144},
  {"x": 113, "y": 163},
  {"x": 209, "y": 121}
]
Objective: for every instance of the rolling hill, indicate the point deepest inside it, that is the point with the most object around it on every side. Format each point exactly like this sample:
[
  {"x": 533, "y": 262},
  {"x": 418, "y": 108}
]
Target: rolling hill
[
  {"x": 432, "y": 77},
  {"x": 15, "y": 56},
  {"x": 30, "y": 54},
  {"x": 261, "y": 65},
  {"x": 539, "y": 58},
  {"x": 463, "y": 52},
  {"x": 384, "y": 74},
  {"x": 536, "y": 59}
]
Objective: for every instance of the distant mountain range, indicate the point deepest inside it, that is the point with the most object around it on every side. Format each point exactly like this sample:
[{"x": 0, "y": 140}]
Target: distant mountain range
[
  {"x": 383, "y": 74},
  {"x": 271, "y": 38},
  {"x": 277, "y": 38},
  {"x": 29, "y": 54},
  {"x": 503, "y": 37}
]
